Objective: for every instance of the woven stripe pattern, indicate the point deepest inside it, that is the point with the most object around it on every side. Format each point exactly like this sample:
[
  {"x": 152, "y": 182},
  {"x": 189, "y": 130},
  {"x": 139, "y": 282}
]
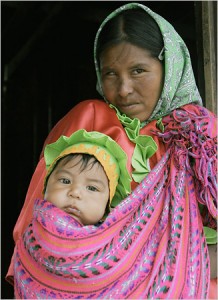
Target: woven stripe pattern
[{"x": 151, "y": 246}]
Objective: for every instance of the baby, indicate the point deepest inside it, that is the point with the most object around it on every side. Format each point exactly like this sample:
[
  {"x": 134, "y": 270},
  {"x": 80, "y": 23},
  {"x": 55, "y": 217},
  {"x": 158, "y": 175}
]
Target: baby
[{"x": 83, "y": 175}]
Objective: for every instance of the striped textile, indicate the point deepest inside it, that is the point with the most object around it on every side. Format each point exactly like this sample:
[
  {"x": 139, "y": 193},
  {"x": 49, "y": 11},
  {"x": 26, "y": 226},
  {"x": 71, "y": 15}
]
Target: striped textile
[{"x": 151, "y": 245}]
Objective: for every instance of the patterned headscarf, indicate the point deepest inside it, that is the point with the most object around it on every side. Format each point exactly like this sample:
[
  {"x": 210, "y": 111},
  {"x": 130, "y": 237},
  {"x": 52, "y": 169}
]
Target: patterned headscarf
[{"x": 179, "y": 82}]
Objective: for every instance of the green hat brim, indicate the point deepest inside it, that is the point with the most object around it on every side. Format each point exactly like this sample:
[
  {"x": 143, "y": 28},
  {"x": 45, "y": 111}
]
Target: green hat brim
[{"x": 54, "y": 150}]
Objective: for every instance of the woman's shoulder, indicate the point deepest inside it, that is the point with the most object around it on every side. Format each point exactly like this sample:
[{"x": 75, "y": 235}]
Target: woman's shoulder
[
  {"x": 192, "y": 117},
  {"x": 92, "y": 108},
  {"x": 90, "y": 104},
  {"x": 198, "y": 110},
  {"x": 91, "y": 115},
  {"x": 192, "y": 112},
  {"x": 203, "y": 117}
]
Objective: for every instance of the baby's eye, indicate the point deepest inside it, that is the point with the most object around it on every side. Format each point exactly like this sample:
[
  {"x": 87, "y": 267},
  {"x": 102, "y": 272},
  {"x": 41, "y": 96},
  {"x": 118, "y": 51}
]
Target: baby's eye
[
  {"x": 64, "y": 180},
  {"x": 92, "y": 188}
]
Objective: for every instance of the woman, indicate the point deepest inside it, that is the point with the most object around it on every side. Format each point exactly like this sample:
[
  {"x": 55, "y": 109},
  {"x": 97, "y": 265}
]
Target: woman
[{"x": 152, "y": 109}]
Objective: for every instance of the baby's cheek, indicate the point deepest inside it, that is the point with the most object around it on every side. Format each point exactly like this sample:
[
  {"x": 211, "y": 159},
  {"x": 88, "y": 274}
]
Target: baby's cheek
[{"x": 45, "y": 194}]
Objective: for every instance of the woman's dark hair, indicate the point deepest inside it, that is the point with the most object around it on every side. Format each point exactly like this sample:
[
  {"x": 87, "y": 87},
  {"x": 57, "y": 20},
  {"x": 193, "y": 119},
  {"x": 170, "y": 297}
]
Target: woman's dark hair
[{"x": 135, "y": 26}]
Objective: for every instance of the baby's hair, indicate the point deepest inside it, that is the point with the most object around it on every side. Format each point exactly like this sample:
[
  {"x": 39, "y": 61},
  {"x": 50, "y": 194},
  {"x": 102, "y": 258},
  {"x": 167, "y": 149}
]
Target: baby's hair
[{"x": 86, "y": 160}]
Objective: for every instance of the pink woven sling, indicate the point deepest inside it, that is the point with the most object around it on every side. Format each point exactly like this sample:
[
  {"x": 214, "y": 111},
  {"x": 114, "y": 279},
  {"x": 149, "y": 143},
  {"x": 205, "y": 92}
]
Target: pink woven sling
[{"x": 151, "y": 245}]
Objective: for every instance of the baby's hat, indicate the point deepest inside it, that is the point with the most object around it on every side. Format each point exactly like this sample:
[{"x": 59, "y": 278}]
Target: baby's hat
[{"x": 110, "y": 155}]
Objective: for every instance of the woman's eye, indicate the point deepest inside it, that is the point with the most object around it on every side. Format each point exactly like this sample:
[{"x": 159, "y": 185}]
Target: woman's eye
[
  {"x": 92, "y": 188},
  {"x": 138, "y": 71},
  {"x": 64, "y": 180},
  {"x": 108, "y": 74}
]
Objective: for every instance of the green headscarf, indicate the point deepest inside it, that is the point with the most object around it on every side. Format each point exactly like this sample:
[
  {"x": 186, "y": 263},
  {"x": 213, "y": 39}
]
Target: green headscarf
[{"x": 179, "y": 82}]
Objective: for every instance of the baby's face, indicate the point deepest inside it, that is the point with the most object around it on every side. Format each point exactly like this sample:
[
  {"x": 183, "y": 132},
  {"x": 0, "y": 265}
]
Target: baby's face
[{"x": 83, "y": 194}]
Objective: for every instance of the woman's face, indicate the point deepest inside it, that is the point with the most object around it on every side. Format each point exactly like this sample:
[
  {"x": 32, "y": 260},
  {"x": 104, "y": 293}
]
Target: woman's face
[{"x": 132, "y": 80}]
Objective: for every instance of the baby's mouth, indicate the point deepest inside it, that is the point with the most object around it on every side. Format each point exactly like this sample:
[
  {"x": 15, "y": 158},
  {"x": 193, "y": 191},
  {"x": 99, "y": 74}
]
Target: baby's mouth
[{"x": 72, "y": 211}]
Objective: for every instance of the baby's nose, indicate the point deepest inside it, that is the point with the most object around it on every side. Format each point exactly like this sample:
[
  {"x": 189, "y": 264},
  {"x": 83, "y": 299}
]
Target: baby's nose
[{"x": 74, "y": 191}]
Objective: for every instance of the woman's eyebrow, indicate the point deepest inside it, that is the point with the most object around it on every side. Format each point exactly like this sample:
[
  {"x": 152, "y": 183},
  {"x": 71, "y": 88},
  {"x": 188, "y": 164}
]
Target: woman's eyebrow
[
  {"x": 131, "y": 66},
  {"x": 139, "y": 65}
]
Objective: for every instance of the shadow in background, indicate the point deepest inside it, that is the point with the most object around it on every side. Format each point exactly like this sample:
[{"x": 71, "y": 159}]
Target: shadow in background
[{"x": 47, "y": 68}]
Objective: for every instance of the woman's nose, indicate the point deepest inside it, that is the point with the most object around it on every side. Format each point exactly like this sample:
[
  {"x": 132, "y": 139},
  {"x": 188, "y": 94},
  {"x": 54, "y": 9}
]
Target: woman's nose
[{"x": 125, "y": 87}]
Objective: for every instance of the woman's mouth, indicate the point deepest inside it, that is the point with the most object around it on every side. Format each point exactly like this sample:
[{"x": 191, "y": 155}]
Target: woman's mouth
[{"x": 127, "y": 107}]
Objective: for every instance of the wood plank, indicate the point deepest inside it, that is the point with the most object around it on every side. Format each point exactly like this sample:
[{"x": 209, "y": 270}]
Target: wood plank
[{"x": 209, "y": 54}]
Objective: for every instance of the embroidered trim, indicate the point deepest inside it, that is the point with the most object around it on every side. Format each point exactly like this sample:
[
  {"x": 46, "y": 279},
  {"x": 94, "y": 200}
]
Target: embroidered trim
[{"x": 145, "y": 146}]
